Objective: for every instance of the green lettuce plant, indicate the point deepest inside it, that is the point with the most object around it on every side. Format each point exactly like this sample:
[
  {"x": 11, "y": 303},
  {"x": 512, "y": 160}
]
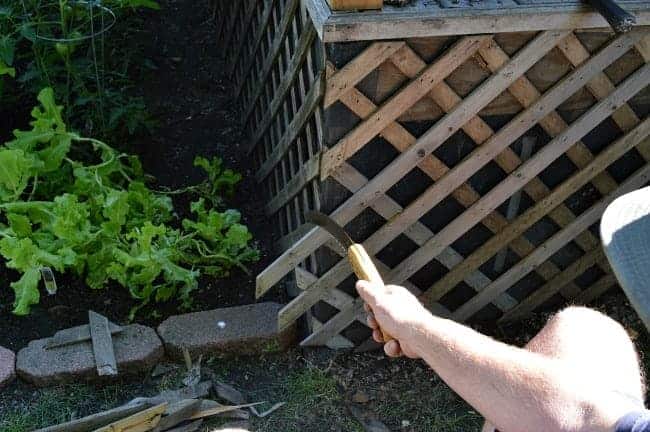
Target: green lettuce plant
[{"x": 75, "y": 204}]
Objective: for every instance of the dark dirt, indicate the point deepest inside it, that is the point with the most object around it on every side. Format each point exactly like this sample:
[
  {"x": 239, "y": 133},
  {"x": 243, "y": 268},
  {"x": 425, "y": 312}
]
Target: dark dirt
[
  {"x": 322, "y": 388},
  {"x": 188, "y": 96}
]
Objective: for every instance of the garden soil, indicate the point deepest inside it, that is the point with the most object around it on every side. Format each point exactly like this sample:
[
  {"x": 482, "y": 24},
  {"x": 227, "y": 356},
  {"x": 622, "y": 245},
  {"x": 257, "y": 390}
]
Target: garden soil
[{"x": 188, "y": 95}]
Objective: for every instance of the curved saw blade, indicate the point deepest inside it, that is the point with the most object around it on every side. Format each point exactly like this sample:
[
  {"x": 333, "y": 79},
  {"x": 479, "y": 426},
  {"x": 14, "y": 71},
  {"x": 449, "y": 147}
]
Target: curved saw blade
[{"x": 329, "y": 225}]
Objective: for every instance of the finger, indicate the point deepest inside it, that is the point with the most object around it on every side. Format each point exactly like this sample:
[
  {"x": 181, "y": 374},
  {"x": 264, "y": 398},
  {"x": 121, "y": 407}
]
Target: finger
[
  {"x": 392, "y": 348},
  {"x": 368, "y": 292},
  {"x": 372, "y": 322},
  {"x": 366, "y": 307},
  {"x": 408, "y": 352},
  {"x": 378, "y": 336}
]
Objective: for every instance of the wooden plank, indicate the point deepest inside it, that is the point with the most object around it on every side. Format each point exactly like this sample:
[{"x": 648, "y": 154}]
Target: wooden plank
[
  {"x": 102, "y": 344},
  {"x": 140, "y": 422},
  {"x": 577, "y": 268},
  {"x": 297, "y": 123},
  {"x": 549, "y": 247},
  {"x": 177, "y": 413},
  {"x": 351, "y": 5},
  {"x": 358, "y": 137},
  {"x": 469, "y": 218},
  {"x": 357, "y": 69},
  {"x": 535, "y": 213},
  {"x": 75, "y": 335},
  {"x": 97, "y": 420},
  {"x": 287, "y": 80},
  {"x": 213, "y": 411},
  {"x": 449, "y": 22},
  {"x": 431, "y": 140}
]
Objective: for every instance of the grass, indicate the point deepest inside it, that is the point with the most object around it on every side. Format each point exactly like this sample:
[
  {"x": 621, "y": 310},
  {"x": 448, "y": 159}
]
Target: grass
[
  {"x": 317, "y": 396},
  {"x": 52, "y": 406},
  {"x": 29, "y": 409},
  {"x": 310, "y": 394}
]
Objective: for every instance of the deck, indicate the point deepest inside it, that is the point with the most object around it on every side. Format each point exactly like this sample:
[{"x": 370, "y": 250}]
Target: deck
[{"x": 424, "y": 18}]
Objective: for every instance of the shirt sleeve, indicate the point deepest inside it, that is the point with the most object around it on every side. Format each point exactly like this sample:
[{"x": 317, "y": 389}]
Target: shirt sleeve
[{"x": 637, "y": 421}]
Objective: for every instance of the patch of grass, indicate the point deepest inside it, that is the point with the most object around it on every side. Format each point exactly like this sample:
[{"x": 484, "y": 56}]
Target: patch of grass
[
  {"x": 52, "y": 406},
  {"x": 311, "y": 387},
  {"x": 312, "y": 401},
  {"x": 428, "y": 407},
  {"x": 28, "y": 410}
]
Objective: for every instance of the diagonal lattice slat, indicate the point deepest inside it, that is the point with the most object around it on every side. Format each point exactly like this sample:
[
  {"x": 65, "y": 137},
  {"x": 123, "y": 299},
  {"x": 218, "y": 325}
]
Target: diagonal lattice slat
[
  {"x": 431, "y": 140},
  {"x": 520, "y": 177}
]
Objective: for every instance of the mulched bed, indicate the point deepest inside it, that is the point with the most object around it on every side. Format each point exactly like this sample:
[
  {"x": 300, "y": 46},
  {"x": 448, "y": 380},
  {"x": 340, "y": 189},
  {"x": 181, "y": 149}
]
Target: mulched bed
[{"x": 188, "y": 96}]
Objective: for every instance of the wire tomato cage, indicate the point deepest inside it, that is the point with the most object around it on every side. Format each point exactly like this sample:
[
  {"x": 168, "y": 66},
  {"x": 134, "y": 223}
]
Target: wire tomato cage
[{"x": 70, "y": 22}]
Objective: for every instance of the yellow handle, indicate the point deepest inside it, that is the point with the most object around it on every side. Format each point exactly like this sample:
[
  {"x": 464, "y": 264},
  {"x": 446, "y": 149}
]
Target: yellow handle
[
  {"x": 355, "y": 4},
  {"x": 365, "y": 269}
]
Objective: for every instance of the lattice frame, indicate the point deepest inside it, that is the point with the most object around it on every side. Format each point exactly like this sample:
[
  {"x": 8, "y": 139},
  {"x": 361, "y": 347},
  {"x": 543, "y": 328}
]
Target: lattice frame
[{"x": 290, "y": 87}]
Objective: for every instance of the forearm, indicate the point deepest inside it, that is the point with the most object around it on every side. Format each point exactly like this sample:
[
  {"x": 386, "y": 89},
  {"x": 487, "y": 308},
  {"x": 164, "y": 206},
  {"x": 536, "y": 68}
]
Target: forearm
[{"x": 515, "y": 389}]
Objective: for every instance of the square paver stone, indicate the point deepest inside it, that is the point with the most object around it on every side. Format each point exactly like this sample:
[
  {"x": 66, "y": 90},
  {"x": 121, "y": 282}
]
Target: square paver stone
[
  {"x": 137, "y": 348},
  {"x": 240, "y": 330},
  {"x": 7, "y": 366}
]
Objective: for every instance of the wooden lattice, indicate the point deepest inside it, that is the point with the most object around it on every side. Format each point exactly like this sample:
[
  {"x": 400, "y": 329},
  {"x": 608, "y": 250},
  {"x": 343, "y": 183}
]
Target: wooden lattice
[{"x": 320, "y": 115}]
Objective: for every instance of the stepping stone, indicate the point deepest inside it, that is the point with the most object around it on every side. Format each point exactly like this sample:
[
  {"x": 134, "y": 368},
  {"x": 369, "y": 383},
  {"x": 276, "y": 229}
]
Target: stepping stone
[
  {"x": 7, "y": 366},
  {"x": 137, "y": 349},
  {"x": 240, "y": 330}
]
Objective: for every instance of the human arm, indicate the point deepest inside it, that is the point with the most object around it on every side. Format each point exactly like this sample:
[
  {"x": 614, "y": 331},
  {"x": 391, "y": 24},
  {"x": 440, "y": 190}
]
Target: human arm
[{"x": 515, "y": 389}]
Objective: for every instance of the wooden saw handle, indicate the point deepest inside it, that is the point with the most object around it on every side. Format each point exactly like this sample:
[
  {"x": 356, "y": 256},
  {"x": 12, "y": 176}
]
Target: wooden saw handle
[
  {"x": 355, "y": 4},
  {"x": 365, "y": 269},
  {"x": 620, "y": 19}
]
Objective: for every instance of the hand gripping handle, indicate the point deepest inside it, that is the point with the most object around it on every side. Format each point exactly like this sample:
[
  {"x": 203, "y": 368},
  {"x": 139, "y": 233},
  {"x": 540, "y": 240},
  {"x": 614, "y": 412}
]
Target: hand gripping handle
[{"x": 365, "y": 269}]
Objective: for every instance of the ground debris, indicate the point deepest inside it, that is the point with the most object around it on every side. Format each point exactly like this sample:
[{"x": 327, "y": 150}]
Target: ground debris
[
  {"x": 229, "y": 393},
  {"x": 367, "y": 419},
  {"x": 360, "y": 397},
  {"x": 232, "y": 395}
]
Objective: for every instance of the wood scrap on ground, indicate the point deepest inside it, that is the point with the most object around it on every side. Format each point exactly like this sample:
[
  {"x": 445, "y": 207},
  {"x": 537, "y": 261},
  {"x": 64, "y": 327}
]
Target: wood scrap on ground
[
  {"x": 180, "y": 410},
  {"x": 232, "y": 395},
  {"x": 177, "y": 413},
  {"x": 76, "y": 335},
  {"x": 142, "y": 421},
  {"x": 100, "y": 335},
  {"x": 97, "y": 420}
]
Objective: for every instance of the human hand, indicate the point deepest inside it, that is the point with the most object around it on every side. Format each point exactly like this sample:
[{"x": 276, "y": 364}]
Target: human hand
[{"x": 398, "y": 312}]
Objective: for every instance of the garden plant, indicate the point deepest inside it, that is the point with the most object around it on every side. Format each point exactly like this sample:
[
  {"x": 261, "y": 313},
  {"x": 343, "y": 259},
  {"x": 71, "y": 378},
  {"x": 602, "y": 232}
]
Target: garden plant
[{"x": 70, "y": 203}]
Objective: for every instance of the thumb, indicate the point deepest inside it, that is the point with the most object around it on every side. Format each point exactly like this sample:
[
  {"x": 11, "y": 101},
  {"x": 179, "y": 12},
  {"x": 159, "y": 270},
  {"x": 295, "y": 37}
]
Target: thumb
[{"x": 369, "y": 291}]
